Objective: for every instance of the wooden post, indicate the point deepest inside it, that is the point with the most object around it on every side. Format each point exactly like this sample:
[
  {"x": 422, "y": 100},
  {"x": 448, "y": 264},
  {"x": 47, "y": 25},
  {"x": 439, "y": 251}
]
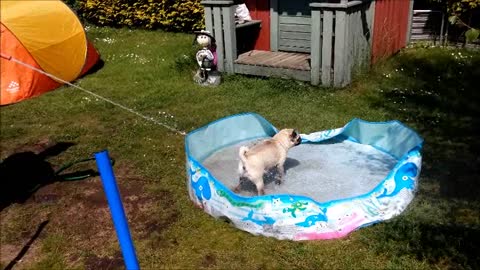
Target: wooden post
[
  {"x": 346, "y": 43},
  {"x": 219, "y": 20},
  {"x": 341, "y": 55},
  {"x": 230, "y": 38},
  {"x": 273, "y": 25},
  {"x": 218, "y": 34},
  {"x": 315, "y": 48},
  {"x": 327, "y": 47},
  {"x": 410, "y": 22},
  {"x": 371, "y": 18},
  {"x": 208, "y": 19}
]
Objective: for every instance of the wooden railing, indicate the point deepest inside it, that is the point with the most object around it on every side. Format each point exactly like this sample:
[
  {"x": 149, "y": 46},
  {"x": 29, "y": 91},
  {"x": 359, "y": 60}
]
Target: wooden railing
[
  {"x": 340, "y": 40},
  {"x": 220, "y": 21}
]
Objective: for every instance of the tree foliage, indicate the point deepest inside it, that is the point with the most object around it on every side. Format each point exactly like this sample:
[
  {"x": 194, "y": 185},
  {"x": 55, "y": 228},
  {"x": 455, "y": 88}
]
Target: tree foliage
[
  {"x": 462, "y": 6},
  {"x": 460, "y": 14},
  {"x": 458, "y": 6}
]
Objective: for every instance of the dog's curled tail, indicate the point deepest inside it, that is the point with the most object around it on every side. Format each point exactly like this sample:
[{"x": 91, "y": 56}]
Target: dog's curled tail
[
  {"x": 243, "y": 150},
  {"x": 241, "y": 165}
]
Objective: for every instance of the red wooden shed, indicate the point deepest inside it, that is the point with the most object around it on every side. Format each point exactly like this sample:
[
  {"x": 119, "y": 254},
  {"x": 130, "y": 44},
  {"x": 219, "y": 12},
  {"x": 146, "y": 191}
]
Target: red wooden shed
[{"x": 391, "y": 28}]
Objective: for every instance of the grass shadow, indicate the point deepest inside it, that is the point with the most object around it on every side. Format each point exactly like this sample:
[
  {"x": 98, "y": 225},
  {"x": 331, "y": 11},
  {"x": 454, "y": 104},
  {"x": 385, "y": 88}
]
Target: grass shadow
[
  {"x": 440, "y": 98},
  {"x": 451, "y": 244},
  {"x": 435, "y": 90}
]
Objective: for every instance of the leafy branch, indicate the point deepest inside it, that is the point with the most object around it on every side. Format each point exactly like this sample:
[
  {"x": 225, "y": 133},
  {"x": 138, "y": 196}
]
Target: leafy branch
[{"x": 471, "y": 34}]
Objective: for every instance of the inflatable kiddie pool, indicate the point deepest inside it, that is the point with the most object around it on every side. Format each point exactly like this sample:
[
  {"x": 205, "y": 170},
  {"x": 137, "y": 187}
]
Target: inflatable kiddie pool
[{"x": 336, "y": 180}]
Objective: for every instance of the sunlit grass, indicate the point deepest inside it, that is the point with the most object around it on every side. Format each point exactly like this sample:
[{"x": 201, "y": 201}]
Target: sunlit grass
[{"x": 432, "y": 90}]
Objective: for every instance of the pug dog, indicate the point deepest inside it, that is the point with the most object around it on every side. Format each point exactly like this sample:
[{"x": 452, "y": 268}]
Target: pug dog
[{"x": 267, "y": 154}]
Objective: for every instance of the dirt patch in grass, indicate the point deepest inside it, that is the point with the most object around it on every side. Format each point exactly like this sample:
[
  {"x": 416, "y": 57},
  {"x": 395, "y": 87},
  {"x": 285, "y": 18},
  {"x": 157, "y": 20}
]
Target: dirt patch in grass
[
  {"x": 104, "y": 263},
  {"x": 79, "y": 213},
  {"x": 209, "y": 260}
]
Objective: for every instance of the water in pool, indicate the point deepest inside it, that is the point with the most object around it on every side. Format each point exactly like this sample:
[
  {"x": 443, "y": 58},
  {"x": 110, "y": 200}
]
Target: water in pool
[{"x": 331, "y": 170}]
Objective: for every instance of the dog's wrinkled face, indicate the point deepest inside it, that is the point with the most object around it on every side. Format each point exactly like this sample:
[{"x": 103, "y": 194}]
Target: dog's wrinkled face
[{"x": 289, "y": 137}]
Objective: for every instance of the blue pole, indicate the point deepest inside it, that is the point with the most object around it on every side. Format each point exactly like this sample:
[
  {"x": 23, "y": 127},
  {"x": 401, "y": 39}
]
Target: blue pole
[{"x": 116, "y": 209}]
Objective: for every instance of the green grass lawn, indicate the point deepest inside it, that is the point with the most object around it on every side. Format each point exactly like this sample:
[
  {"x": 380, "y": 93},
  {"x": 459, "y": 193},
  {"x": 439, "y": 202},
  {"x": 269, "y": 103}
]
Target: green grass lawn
[{"x": 433, "y": 90}]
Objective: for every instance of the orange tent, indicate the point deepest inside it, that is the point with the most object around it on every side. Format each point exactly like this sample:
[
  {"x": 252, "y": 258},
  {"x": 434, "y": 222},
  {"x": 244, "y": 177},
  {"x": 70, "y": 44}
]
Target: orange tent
[{"x": 45, "y": 35}]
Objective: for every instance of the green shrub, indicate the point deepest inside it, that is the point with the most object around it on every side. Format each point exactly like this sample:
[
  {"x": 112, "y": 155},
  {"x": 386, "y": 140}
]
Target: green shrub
[{"x": 170, "y": 15}]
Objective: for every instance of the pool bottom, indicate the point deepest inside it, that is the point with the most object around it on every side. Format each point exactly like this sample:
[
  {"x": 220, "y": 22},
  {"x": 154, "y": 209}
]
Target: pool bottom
[{"x": 331, "y": 170}]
